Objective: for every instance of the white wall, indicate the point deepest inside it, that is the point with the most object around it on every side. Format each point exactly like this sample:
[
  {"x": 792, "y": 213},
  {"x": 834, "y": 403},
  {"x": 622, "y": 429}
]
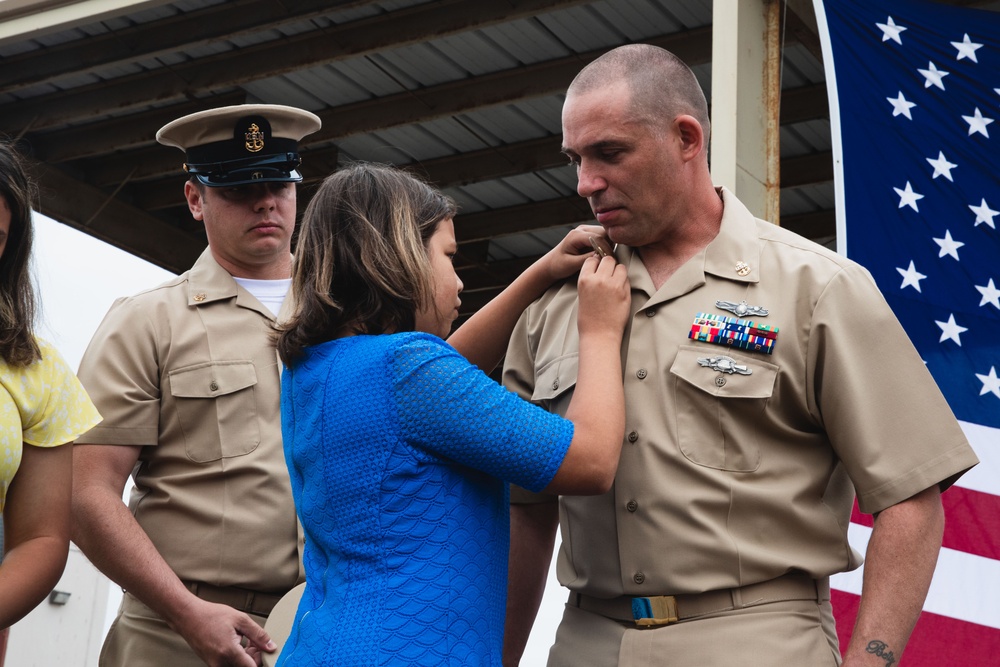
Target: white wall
[
  {"x": 78, "y": 278},
  {"x": 68, "y": 634}
]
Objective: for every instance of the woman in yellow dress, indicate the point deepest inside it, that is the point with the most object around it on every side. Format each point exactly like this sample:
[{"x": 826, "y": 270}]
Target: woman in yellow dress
[{"x": 42, "y": 406}]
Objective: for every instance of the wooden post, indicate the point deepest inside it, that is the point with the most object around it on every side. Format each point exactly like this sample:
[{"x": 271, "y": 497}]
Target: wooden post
[{"x": 746, "y": 94}]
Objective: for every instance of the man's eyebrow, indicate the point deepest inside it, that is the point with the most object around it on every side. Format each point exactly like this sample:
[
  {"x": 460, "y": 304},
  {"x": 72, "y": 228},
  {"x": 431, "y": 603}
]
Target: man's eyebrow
[{"x": 596, "y": 146}]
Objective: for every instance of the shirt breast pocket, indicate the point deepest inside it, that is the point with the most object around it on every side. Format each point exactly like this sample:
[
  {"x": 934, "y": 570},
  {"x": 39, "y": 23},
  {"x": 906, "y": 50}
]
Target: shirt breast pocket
[
  {"x": 719, "y": 413},
  {"x": 217, "y": 408},
  {"x": 554, "y": 381}
]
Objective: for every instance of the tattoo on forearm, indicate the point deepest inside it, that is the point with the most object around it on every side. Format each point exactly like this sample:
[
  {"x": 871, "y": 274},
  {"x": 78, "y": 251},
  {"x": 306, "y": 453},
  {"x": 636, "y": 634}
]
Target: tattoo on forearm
[{"x": 881, "y": 649}]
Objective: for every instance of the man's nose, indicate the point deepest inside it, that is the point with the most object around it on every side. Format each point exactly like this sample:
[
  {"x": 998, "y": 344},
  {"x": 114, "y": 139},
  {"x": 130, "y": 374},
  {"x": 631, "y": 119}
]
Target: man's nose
[
  {"x": 264, "y": 198},
  {"x": 589, "y": 181}
]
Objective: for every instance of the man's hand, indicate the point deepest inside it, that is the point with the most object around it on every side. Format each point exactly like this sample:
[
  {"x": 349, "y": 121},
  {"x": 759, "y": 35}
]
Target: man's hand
[{"x": 216, "y": 633}]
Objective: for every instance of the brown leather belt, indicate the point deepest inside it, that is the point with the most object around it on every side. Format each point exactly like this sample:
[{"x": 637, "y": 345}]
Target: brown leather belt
[
  {"x": 665, "y": 609},
  {"x": 250, "y": 602}
]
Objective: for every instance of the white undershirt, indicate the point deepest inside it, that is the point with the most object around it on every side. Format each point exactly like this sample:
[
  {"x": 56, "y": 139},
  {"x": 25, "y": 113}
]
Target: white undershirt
[{"x": 271, "y": 293}]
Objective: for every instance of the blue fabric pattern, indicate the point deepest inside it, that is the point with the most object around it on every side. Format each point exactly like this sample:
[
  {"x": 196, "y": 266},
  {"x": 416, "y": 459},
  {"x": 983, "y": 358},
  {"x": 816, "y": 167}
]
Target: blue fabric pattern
[{"x": 400, "y": 452}]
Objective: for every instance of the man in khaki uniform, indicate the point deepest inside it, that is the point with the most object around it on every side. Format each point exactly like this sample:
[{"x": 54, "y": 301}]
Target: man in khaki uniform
[
  {"x": 188, "y": 381},
  {"x": 766, "y": 382}
]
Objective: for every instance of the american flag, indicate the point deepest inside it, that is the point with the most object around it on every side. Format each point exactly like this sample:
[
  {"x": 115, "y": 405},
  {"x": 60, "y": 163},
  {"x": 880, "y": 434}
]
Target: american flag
[{"x": 914, "y": 93}]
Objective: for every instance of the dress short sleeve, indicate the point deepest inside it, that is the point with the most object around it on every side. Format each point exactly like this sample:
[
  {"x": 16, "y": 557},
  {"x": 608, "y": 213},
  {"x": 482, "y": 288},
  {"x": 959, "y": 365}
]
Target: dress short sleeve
[
  {"x": 451, "y": 409},
  {"x": 43, "y": 405},
  {"x": 56, "y": 409}
]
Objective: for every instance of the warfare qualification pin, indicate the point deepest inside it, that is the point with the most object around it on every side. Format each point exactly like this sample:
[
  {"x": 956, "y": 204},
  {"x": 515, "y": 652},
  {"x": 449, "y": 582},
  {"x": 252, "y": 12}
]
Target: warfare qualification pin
[
  {"x": 741, "y": 309},
  {"x": 724, "y": 364}
]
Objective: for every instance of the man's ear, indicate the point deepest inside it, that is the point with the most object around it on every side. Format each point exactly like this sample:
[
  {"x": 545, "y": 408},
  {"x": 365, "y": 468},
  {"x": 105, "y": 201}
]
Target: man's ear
[
  {"x": 692, "y": 136},
  {"x": 195, "y": 201}
]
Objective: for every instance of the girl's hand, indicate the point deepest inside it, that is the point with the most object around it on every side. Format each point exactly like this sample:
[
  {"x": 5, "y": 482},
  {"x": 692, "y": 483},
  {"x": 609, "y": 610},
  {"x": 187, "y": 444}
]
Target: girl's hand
[
  {"x": 605, "y": 296},
  {"x": 569, "y": 255}
]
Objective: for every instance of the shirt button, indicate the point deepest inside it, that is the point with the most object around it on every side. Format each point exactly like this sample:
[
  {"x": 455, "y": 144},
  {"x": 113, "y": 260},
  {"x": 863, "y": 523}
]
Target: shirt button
[
  {"x": 633, "y": 436},
  {"x": 650, "y": 312},
  {"x": 720, "y": 382},
  {"x": 214, "y": 386},
  {"x": 638, "y": 577},
  {"x": 631, "y": 506},
  {"x": 641, "y": 373},
  {"x": 555, "y": 385}
]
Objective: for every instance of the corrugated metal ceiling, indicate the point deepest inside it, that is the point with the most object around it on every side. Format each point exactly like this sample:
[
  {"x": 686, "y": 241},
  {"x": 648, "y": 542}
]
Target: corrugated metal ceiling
[{"x": 466, "y": 92}]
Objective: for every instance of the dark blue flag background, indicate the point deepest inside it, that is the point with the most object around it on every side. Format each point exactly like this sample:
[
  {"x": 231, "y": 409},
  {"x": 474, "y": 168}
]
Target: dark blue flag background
[{"x": 921, "y": 180}]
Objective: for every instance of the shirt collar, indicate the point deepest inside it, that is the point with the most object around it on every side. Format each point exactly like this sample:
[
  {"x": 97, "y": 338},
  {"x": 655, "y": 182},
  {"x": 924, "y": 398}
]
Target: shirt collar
[
  {"x": 209, "y": 282},
  {"x": 734, "y": 254}
]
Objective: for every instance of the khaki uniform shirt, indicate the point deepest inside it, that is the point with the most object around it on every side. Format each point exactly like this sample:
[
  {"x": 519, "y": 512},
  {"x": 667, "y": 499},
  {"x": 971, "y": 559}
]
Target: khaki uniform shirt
[
  {"x": 731, "y": 479},
  {"x": 187, "y": 371}
]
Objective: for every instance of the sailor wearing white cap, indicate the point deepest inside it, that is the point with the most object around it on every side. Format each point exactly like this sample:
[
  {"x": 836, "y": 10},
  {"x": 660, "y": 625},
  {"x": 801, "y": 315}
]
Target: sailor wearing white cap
[{"x": 187, "y": 380}]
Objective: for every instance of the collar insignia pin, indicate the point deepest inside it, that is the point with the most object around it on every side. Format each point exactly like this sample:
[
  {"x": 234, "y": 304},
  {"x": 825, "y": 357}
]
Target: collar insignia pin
[
  {"x": 741, "y": 309},
  {"x": 724, "y": 364},
  {"x": 742, "y": 269},
  {"x": 199, "y": 297}
]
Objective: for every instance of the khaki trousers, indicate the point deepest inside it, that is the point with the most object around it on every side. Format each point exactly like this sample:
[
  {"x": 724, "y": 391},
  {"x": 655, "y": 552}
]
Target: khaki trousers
[
  {"x": 778, "y": 634},
  {"x": 140, "y": 638}
]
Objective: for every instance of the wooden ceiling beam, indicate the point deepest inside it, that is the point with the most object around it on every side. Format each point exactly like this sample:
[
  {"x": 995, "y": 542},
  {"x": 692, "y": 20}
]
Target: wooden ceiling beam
[
  {"x": 801, "y": 23},
  {"x": 486, "y": 225},
  {"x": 806, "y": 169},
  {"x": 453, "y": 170},
  {"x": 492, "y": 275},
  {"x": 66, "y": 199},
  {"x": 549, "y": 77},
  {"x": 202, "y": 76},
  {"x": 804, "y": 103},
  {"x": 815, "y": 225},
  {"x": 123, "y": 133},
  {"x": 545, "y": 78},
  {"x": 798, "y": 105},
  {"x": 149, "y": 40}
]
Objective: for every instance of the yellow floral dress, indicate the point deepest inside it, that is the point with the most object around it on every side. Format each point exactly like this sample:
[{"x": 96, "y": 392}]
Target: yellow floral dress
[{"x": 43, "y": 405}]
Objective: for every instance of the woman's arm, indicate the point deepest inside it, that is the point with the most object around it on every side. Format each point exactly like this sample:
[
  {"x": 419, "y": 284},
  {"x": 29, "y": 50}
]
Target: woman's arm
[
  {"x": 597, "y": 408},
  {"x": 36, "y": 529},
  {"x": 483, "y": 338}
]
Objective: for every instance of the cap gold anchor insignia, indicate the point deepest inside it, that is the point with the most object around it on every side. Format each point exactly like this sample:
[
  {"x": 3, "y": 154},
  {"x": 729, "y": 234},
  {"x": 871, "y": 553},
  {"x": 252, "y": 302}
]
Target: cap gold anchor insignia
[{"x": 254, "y": 139}]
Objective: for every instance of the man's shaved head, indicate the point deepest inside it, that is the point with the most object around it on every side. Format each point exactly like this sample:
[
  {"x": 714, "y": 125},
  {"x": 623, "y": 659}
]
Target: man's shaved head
[{"x": 662, "y": 85}]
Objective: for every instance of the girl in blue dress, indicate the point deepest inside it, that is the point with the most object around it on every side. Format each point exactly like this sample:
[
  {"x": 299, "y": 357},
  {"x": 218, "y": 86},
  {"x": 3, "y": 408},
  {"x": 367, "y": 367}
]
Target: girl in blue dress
[{"x": 400, "y": 447}]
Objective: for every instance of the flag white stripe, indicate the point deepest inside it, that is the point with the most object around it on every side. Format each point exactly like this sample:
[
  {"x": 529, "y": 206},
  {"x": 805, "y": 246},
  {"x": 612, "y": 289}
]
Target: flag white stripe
[
  {"x": 965, "y": 586},
  {"x": 837, "y": 147},
  {"x": 985, "y": 477}
]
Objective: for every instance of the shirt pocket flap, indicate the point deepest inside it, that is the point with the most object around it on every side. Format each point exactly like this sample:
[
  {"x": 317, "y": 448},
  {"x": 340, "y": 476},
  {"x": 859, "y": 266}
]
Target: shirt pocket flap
[
  {"x": 210, "y": 379},
  {"x": 555, "y": 377},
  {"x": 758, "y": 384}
]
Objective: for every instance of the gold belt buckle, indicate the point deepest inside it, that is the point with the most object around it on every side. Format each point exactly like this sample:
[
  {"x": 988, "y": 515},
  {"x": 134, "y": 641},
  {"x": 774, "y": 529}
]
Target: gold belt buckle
[{"x": 653, "y": 611}]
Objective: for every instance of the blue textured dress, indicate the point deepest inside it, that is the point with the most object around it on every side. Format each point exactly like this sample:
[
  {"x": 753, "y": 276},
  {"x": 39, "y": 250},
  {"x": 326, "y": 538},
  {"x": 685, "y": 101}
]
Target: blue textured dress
[{"x": 400, "y": 452}]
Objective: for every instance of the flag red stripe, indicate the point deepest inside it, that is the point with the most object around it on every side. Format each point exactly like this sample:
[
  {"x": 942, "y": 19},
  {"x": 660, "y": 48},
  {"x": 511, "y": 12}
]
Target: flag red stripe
[
  {"x": 937, "y": 640},
  {"x": 972, "y": 521}
]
